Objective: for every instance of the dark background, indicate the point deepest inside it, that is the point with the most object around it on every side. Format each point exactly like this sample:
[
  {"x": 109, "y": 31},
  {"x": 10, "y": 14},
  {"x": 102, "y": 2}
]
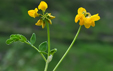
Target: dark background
[{"x": 92, "y": 51}]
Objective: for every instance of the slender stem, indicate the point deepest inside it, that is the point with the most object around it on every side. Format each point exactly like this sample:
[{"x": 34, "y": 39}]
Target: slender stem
[
  {"x": 67, "y": 49},
  {"x": 37, "y": 50},
  {"x": 46, "y": 66},
  {"x": 48, "y": 35}
]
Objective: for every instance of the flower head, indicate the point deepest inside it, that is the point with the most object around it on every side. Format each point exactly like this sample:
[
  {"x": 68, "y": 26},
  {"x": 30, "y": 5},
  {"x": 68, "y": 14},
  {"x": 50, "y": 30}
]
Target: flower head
[
  {"x": 33, "y": 13},
  {"x": 43, "y": 17},
  {"x": 87, "y": 21},
  {"x": 43, "y": 6}
]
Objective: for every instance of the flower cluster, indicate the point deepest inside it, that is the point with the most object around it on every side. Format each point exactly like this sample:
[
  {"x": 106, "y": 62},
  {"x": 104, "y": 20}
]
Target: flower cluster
[
  {"x": 86, "y": 18},
  {"x": 44, "y": 16}
]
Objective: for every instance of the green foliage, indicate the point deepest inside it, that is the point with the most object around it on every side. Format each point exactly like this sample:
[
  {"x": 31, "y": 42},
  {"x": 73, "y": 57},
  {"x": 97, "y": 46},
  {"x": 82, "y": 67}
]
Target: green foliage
[
  {"x": 33, "y": 38},
  {"x": 43, "y": 46},
  {"x": 16, "y": 37}
]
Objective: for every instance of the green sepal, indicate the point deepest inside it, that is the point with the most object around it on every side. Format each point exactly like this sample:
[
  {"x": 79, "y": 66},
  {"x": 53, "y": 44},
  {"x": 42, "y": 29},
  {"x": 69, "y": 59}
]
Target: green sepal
[
  {"x": 49, "y": 20},
  {"x": 53, "y": 51},
  {"x": 33, "y": 38},
  {"x": 43, "y": 46}
]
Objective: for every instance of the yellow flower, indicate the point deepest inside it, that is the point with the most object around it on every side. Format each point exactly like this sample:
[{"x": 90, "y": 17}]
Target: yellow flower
[
  {"x": 43, "y": 6},
  {"x": 43, "y": 17},
  {"x": 90, "y": 21},
  {"x": 87, "y": 21},
  {"x": 40, "y": 23},
  {"x": 33, "y": 13}
]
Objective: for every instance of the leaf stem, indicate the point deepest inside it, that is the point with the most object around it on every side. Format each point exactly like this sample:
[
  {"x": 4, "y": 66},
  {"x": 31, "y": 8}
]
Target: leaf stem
[
  {"x": 37, "y": 50},
  {"x": 67, "y": 49}
]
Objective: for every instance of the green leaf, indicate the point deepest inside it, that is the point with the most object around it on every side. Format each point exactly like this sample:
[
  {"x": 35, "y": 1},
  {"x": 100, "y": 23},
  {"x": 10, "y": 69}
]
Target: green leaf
[
  {"x": 23, "y": 38},
  {"x": 33, "y": 38},
  {"x": 16, "y": 37},
  {"x": 13, "y": 35},
  {"x": 43, "y": 46},
  {"x": 9, "y": 41}
]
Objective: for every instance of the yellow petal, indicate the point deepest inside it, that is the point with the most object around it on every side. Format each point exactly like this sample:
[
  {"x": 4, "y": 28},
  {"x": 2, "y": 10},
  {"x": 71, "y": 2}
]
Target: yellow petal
[
  {"x": 39, "y": 22},
  {"x": 93, "y": 24},
  {"x": 36, "y": 14},
  {"x": 43, "y": 6},
  {"x": 33, "y": 13},
  {"x": 43, "y": 25},
  {"x": 77, "y": 17},
  {"x": 95, "y": 17},
  {"x": 81, "y": 10},
  {"x": 36, "y": 10},
  {"x": 81, "y": 22},
  {"x": 87, "y": 25},
  {"x": 87, "y": 22},
  {"x": 49, "y": 13}
]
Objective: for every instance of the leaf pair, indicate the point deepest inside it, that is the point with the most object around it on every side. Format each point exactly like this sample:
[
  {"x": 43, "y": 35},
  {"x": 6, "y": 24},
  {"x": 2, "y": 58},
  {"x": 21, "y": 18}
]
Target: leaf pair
[
  {"x": 18, "y": 37},
  {"x": 42, "y": 46}
]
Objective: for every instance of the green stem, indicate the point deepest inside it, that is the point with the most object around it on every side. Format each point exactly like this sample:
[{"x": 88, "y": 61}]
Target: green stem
[
  {"x": 67, "y": 49},
  {"x": 48, "y": 35},
  {"x": 43, "y": 12},
  {"x": 46, "y": 66},
  {"x": 37, "y": 50}
]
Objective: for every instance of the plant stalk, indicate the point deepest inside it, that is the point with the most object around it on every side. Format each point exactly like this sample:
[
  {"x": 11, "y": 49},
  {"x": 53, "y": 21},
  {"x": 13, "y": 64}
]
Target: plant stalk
[
  {"x": 48, "y": 35},
  {"x": 68, "y": 49}
]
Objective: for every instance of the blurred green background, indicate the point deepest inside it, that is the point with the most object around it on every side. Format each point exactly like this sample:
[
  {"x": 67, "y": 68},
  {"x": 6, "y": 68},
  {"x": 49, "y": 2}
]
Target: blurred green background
[{"x": 93, "y": 50}]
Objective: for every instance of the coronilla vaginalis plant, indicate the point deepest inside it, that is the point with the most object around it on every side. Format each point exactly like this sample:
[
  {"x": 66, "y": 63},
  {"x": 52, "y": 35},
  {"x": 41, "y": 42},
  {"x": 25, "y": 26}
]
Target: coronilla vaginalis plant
[{"x": 84, "y": 18}]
